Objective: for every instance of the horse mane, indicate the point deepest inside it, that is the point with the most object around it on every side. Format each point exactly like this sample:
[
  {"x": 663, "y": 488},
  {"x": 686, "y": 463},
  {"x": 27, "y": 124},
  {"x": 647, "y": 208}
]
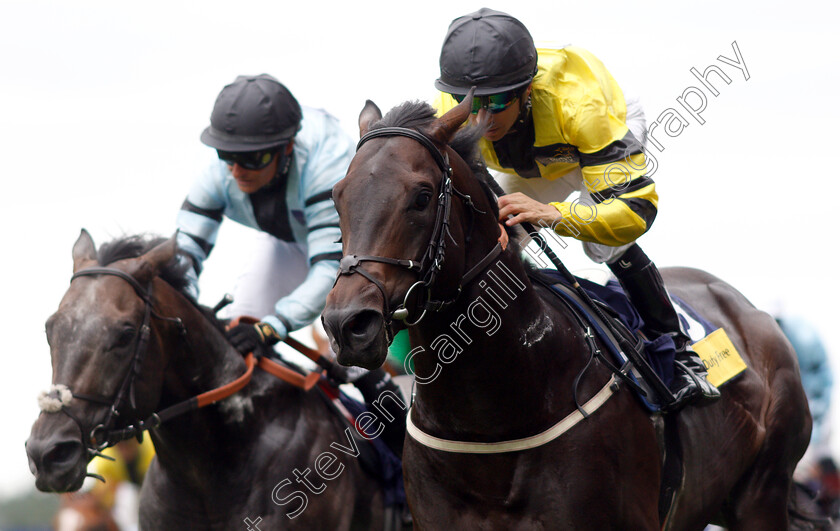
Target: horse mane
[
  {"x": 419, "y": 115},
  {"x": 173, "y": 273}
]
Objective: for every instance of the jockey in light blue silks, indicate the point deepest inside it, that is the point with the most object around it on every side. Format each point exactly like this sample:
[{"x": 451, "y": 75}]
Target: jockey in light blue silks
[{"x": 277, "y": 165}]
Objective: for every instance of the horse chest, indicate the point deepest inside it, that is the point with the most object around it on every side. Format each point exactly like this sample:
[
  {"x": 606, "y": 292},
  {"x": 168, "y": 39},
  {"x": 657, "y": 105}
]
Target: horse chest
[{"x": 514, "y": 491}]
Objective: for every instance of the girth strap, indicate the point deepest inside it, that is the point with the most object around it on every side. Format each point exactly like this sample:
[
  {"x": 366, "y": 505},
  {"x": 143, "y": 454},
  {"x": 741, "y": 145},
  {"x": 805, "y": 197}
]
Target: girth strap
[{"x": 516, "y": 445}]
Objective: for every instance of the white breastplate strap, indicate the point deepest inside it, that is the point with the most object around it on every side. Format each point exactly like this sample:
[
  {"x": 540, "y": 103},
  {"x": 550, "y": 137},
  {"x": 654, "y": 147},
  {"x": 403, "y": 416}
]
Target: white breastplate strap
[{"x": 465, "y": 447}]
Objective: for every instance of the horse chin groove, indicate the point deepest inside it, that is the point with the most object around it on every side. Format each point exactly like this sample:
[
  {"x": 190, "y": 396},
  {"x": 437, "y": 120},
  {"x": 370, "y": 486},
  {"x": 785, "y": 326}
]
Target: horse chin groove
[
  {"x": 68, "y": 481},
  {"x": 368, "y": 354},
  {"x": 367, "y": 359}
]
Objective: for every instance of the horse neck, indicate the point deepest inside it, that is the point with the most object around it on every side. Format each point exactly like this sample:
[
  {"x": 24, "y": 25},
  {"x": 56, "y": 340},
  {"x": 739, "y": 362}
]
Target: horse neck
[
  {"x": 495, "y": 350},
  {"x": 199, "y": 362}
]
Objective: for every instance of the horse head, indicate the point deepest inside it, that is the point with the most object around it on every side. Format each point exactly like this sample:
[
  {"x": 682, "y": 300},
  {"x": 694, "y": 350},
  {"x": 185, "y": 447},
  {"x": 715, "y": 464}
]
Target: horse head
[
  {"x": 106, "y": 368},
  {"x": 408, "y": 206}
]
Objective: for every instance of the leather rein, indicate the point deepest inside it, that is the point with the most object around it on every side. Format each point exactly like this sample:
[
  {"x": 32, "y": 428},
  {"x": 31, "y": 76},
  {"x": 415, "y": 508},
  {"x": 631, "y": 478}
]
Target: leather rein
[
  {"x": 431, "y": 263},
  {"x": 105, "y": 434}
]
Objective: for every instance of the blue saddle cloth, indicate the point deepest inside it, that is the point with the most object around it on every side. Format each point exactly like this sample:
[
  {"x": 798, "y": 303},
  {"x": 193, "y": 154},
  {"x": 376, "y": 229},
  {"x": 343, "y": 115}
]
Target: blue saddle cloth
[
  {"x": 390, "y": 466},
  {"x": 658, "y": 351}
]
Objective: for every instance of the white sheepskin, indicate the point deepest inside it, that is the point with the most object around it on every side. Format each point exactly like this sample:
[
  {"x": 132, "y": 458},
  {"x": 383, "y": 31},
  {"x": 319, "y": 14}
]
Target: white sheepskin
[{"x": 52, "y": 400}]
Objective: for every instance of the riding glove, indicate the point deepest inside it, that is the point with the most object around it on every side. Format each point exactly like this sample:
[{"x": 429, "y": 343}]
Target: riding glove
[{"x": 252, "y": 337}]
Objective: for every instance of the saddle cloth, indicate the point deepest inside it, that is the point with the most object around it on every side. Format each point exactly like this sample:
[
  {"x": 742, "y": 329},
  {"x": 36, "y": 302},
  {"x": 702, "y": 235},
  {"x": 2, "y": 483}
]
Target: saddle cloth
[
  {"x": 385, "y": 465},
  {"x": 659, "y": 352}
]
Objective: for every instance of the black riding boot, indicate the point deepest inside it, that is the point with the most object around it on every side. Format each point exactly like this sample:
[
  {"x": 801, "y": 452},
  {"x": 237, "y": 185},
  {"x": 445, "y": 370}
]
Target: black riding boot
[
  {"x": 641, "y": 280},
  {"x": 384, "y": 399}
]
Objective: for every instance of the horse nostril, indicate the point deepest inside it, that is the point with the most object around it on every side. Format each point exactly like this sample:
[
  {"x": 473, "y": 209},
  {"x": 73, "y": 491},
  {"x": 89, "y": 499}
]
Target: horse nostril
[
  {"x": 63, "y": 453},
  {"x": 363, "y": 324}
]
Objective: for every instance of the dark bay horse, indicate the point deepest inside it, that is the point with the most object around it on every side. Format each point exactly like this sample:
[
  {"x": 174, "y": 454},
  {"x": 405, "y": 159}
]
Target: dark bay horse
[
  {"x": 496, "y": 360},
  {"x": 269, "y": 457}
]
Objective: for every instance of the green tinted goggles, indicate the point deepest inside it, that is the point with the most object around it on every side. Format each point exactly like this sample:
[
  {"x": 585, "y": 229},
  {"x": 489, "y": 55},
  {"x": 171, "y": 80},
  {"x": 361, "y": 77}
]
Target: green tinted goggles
[{"x": 494, "y": 103}]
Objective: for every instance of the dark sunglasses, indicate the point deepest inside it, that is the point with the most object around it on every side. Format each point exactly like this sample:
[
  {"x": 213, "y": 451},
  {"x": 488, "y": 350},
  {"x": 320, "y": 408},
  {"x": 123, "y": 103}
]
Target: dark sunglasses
[
  {"x": 494, "y": 103},
  {"x": 251, "y": 160}
]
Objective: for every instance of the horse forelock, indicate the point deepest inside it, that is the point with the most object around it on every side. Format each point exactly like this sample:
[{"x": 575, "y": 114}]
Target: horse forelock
[
  {"x": 411, "y": 114},
  {"x": 419, "y": 115}
]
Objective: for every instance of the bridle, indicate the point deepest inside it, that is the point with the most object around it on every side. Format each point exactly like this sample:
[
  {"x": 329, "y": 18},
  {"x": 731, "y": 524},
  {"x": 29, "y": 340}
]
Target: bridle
[
  {"x": 104, "y": 434},
  {"x": 433, "y": 258}
]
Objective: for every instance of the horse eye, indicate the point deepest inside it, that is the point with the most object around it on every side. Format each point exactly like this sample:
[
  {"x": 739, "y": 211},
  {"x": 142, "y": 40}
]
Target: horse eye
[
  {"x": 422, "y": 200},
  {"x": 126, "y": 337}
]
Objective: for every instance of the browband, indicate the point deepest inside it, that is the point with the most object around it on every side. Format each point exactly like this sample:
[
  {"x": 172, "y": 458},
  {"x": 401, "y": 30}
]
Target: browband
[{"x": 441, "y": 160}]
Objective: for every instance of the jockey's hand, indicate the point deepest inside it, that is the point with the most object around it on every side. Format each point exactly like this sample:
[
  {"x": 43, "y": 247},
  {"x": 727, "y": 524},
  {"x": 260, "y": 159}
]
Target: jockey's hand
[
  {"x": 523, "y": 208},
  {"x": 252, "y": 337}
]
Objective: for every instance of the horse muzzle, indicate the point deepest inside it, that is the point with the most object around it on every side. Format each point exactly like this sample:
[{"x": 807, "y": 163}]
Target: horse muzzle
[
  {"x": 357, "y": 336},
  {"x": 57, "y": 459}
]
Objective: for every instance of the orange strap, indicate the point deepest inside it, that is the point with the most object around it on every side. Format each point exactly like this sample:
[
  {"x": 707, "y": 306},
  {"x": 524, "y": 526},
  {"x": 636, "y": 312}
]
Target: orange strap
[
  {"x": 310, "y": 353},
  {"x": 503, "y": 237},
  {"x": 214, "y": 395},
  {"x": 226, "y": 390},
  {"x": 289, "y": 376}
]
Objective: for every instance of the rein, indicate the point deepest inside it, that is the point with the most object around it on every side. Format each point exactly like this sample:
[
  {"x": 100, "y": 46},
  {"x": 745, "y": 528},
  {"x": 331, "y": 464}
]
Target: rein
[
  {"x": 104, "y": 435},
  {"x": 435, "y": 254},
  {"x": 214, "y": 395}
]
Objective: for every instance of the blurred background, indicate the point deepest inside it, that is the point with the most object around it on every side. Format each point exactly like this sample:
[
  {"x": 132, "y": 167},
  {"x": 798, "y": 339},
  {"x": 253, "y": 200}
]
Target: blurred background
[{"x": 102, "y": 104}]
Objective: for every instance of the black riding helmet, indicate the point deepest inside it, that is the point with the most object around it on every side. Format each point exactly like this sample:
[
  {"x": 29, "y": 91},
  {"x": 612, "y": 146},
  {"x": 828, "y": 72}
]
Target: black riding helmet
[
  {"x": 487, "y": 49},
  {"x": 253, "y": 113}
]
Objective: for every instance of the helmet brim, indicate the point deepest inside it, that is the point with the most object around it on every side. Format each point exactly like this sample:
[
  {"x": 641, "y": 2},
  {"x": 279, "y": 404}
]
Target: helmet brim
[
  {"x": 219, "y": 140},
  {"x": 479, "y": 91}
]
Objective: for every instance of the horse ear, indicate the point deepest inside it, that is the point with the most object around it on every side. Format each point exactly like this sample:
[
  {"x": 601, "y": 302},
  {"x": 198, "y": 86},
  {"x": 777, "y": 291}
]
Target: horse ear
[
  {"x": 150, "y": 264},
  {"x": 84, "y": 251},
  {"x": 368, "y": 116},
  {"x": 445, "y": 126}
]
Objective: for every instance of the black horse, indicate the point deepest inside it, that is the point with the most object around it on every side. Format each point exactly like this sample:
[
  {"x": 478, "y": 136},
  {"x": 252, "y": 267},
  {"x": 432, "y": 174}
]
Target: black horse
[
  {"x": 269, "y": 457},
  {"x": 496, "y": 358}
]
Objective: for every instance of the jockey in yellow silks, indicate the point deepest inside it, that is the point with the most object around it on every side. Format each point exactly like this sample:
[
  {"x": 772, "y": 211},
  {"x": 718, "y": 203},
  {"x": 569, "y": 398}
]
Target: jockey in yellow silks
[{"x": 557, "y": 122}]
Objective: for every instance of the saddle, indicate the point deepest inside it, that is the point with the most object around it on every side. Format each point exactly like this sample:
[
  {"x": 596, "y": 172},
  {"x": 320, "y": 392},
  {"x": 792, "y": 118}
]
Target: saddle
[
  {"x": 655, "y": 356},
  {"x": 613, "y": 304},
  {"x": 712, "y": 344}
]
